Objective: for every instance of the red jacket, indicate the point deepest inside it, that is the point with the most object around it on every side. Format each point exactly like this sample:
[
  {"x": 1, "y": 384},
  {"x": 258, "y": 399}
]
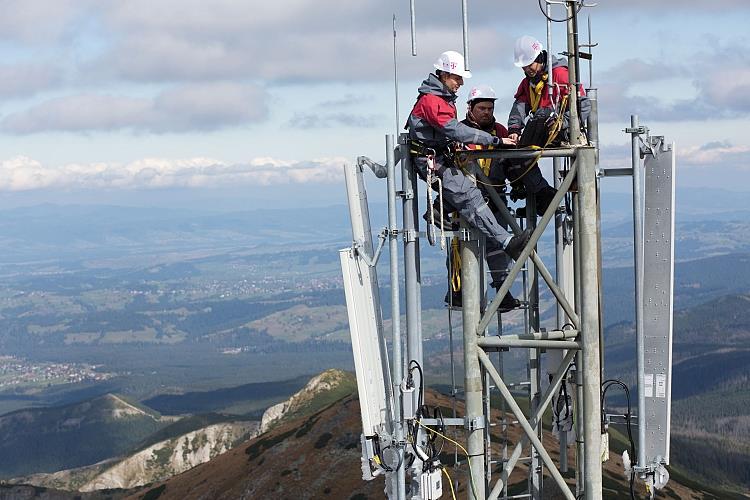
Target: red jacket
[
  {"x": 433, "y": 118},
  {"x": 559, "y": 76},
  {"x": 522, "y": 105}
]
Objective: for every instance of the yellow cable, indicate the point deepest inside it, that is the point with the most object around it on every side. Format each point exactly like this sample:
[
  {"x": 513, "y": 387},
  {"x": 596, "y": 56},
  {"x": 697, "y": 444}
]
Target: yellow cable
[
  {"x": 468, "y": 457},
  {"x": 450, "y": 483},
  {"x": 455, "y": 266}
]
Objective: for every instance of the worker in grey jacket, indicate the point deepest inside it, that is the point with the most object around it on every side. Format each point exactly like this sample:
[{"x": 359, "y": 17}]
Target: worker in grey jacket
[{"x": 432, "y": 126}]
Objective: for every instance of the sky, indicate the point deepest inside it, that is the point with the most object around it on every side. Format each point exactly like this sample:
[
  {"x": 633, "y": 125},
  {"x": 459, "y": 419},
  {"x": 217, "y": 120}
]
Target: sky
[{"x": 232, "y": 104}]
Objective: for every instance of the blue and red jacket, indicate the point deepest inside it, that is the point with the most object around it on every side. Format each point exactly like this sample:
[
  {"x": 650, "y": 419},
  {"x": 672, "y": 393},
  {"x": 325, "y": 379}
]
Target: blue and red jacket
[{"x": 433, "y": 121}]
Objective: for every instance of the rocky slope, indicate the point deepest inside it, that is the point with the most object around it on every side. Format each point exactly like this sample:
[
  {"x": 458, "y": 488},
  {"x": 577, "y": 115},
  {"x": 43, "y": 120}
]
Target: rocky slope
[
  {"x": 319, "y": 391},
  {"x": 318, "y": 457},
  {"x": 157, "y": 462}
]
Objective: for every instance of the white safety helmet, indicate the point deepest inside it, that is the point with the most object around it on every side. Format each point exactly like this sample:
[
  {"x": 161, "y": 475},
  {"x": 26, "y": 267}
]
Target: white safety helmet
[
  {"x": 452, "y": 62},
  {"x": 481, "y": 92},
  {"x": 527, "y": 50}
]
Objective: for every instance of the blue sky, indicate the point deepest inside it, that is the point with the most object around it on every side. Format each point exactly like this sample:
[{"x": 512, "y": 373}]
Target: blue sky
[{"x": 236, "y": 104}]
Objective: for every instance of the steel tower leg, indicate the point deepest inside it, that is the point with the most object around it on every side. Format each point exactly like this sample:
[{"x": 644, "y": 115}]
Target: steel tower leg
[
  {"x": 412, "y": 275},
  {"x": 472, "y": 371},
  {"x": 397, "y": 369},
  {"x": 589, "y": 284},
  {"x": 535, "y": 358}
]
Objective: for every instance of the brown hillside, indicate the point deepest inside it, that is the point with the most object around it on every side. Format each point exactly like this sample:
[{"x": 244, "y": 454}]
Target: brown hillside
[
  {"x": 314, "y": 457},
  {"x": 318, "y": 457}
]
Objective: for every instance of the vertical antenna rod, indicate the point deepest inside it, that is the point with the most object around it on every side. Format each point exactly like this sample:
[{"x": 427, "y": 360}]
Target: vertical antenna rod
[
  {"x": 395, "y": 77},
  {"x": 465, "y": 18},
  {"x": 413, "y": 30},
  {"x": 576, "y": 139},
  {"x": 550, "y": 82},
  {"x": 591, "y": 45}
]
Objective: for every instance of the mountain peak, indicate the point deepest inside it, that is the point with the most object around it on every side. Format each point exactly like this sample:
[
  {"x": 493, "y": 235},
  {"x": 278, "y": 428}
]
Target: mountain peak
[{"x": 320, "y": 391}]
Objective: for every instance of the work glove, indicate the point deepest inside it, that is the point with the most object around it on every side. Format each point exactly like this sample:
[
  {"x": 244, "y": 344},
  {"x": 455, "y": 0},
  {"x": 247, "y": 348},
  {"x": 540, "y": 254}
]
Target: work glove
[{"x": 517, "y": 192}]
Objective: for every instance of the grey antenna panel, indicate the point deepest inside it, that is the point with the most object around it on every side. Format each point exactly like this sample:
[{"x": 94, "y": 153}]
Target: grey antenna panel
[
  {"x": 363, "y": 307},
  {"x": 658, "y": 286}
]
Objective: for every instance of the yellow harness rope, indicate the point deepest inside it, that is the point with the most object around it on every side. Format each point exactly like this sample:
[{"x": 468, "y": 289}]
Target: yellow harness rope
[
  {"x": 535, "y": 92},
  {"x": 455, "y": 266}
]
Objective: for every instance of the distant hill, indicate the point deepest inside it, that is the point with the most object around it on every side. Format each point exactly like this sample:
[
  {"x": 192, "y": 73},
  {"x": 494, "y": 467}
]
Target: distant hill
[
  {"x": 710, "y": 387},
  {"x": 51, "y": 439},
  {"x": 191, "y": 441},
  {"x": 216, "y": 400},
  {"x": 696, "y": 281}
]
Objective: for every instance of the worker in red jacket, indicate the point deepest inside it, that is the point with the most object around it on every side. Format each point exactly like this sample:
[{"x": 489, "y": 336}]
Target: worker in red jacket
[
  {"x": 433, "y": 128},
  {"x": 534, "y": 111}
]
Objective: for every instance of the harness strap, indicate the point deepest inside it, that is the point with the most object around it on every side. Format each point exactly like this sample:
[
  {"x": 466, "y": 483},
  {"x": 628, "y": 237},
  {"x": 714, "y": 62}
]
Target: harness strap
[{"x": 535, "y": 92}]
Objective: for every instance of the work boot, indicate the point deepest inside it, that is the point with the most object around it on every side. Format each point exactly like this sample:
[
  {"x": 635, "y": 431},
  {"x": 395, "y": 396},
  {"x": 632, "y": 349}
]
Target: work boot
[
  {"x": 544, "y": 198},
  {"x": 447, "y": 224},
  {"x": 508, "y": 303},
  {"x": 517, "y": 243},
  {"x": 453, "y": 299}
]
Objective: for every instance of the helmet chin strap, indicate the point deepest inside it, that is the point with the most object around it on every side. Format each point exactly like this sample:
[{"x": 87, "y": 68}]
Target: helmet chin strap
[{"x": 539, "y": 75}]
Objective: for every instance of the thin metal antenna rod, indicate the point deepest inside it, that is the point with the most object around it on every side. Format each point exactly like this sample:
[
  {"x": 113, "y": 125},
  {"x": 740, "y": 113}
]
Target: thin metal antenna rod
[
  {"x": 550, "y": 83},
  {"x": 591, "y": 71},
  {"x": 395, "y": 77},
  {"x": 413, "y": 29},
  {"x": 576, "y": 138},
  {"x": 576, "y": 48},
  {"x": 465, "y": 18}
]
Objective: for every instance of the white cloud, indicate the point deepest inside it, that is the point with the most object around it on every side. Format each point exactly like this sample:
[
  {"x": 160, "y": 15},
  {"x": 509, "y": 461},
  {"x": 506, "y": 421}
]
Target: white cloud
[
  {"x": 715, "y": 154},
  {"x": 37, "y": 22},
  {"x": 720, "y": 90},
  {"x": 27, "y": 79},
  {"x": 204, "y": 106},
  {"x": 25, "y": 174}
]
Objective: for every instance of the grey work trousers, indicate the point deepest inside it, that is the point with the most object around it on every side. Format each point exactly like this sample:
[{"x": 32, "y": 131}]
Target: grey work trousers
[
  {"x": 497, "y": 259},
  {"x": 532, "y": 179},
  {"x": 460, "y": 192}
]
